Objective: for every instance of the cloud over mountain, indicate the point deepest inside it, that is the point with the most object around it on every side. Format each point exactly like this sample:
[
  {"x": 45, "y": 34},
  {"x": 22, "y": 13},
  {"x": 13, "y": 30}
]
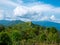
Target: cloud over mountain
[
  {"x": 36, "y": 11},
  {"x": 45, "y": 11}
]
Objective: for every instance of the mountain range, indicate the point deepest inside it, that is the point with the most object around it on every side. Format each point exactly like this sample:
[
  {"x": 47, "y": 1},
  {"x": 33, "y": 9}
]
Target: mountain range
[
  {"x": 8, "y": 23},
  {"x": 41, "y": 23},
  {"x": 48, "y": 24}
]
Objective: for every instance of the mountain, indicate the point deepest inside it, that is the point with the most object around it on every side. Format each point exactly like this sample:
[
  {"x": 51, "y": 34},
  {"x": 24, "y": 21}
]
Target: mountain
[
  {"x": 7, "y": 22},
  {"x": 42, "y": 23},
  {"x": 47, "y": 24}
]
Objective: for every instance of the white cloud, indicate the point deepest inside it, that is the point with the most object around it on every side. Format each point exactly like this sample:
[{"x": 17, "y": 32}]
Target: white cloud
[
  {"x": 25, "y": 19},
  {"x": 52, "y": 17},
  {"x": 8, "y": 3},
  {"x": 32, "y": 9},
  {"x": 21, "y": 10},
  {"x": 48, "y": 11},
  {"x": 56, "y": 10},
  {"x": 1, "y": 14},
  {"x": 44, "y": 18},
  {"x": 19, "y": 1}
]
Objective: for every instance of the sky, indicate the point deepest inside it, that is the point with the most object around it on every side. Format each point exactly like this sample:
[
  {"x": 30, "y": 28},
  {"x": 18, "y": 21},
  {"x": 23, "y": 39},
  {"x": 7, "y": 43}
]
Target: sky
[{"x": 30, "y": 10}]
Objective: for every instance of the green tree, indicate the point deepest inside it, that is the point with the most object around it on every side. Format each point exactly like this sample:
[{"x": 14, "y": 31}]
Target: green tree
[
  {"x": 2, "y": 28},
  {"x": 5, "y": 39}
]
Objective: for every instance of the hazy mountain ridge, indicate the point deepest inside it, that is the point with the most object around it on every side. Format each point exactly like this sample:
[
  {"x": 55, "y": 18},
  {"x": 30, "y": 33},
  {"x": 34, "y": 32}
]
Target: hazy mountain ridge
[
  {"x": 48, "y": 24},
  {"x": 7, "y": 22},
  {"x": 42, "y": 23}
]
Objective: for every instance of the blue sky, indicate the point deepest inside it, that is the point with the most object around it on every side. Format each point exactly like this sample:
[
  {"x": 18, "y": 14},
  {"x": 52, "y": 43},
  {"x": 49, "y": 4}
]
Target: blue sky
[
  {"x": 30, "y": 10},
  {"x": 52, "y": 2}
]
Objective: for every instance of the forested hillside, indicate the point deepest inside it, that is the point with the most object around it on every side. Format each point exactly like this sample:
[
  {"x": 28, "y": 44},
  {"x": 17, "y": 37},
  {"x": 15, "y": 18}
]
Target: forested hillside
[{"x": 27, "y": 33}]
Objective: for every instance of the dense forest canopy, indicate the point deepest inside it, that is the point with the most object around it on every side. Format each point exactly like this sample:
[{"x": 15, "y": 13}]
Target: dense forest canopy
[{"x": 27, "y": 33}]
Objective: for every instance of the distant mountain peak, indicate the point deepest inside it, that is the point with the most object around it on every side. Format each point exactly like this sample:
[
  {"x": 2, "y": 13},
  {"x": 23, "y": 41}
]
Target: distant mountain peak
[{"x": 48, "y": 24}]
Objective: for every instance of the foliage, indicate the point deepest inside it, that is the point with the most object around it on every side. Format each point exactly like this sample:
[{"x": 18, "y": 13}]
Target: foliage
[
  {"x": 5, "y": 39},
  {"x": 28, "y": 34}
]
